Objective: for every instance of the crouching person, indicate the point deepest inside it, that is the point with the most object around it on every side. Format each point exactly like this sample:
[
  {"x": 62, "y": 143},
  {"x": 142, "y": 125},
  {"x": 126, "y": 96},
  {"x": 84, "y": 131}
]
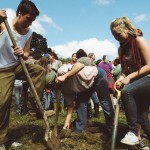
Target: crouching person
[{"x": 79, "y": 83}]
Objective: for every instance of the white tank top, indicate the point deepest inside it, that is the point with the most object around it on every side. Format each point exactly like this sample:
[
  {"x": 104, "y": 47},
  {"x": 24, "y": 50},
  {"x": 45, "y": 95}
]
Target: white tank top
[{"x": 7, "y": 57}]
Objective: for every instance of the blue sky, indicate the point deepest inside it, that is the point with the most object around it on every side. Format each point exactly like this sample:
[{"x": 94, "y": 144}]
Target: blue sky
[{"x": 72, "y": 24}]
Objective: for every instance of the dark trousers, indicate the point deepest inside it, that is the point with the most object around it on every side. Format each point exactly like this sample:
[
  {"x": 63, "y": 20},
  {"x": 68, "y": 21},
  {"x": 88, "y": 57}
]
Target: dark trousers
[
  {"x": 7, "y": 78},
  {"x": 101, "y": 87},
  {"x": 135, "y": 97}
]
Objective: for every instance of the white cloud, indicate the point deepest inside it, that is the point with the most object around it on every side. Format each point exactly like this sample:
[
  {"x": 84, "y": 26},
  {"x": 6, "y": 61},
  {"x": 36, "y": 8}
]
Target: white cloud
[
  {"x": 37, "y": 25},
  {"x": 103, "y": 2},
  {"x": 38, "y": 28},
  {"x": 141, "y": 18},
  {"x": 99, "y": 48},
  {"x": 10, "y": 14},
  {"x": 45, "y": 18}
]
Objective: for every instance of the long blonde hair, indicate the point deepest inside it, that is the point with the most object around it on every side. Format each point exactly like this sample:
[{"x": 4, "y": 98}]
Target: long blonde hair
[{"x": 124, "y": 23}]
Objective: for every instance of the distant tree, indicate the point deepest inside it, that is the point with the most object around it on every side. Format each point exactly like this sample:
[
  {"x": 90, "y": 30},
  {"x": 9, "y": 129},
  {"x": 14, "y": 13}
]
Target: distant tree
[
  {"x": 67, "y": 60},
  {"x": 38, "y": 44},
  {"x": 48, "y": 50}
]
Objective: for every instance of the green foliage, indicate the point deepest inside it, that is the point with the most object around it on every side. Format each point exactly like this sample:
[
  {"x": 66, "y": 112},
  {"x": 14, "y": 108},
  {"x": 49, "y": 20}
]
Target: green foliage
[
  {"x": 67, "y": 60},
  {"x": 39, "y": 45},
  {"x": 38, "y": 40}
]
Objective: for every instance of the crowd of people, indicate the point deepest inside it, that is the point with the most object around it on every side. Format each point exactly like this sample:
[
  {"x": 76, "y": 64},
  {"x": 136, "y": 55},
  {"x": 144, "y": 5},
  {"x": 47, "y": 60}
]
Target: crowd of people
[{"x": 81, "y": 81}]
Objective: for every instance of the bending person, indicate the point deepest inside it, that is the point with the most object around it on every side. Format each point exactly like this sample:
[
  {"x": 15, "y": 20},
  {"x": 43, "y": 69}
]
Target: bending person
[
  {"x": 79, "y": 83},
  {"x": 134, "y": 53}
]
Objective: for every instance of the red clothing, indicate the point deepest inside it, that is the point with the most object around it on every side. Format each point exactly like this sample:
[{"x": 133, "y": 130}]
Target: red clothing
[{"x": 108, "y": 67}]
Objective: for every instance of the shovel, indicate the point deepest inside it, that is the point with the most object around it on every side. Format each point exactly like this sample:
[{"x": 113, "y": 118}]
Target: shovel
[
  {"x": 58, "y": 96},
  {"x": 50, "y": 138},
  {"x": 64, "y": 133},
  {"x": 118, "y": 90}
]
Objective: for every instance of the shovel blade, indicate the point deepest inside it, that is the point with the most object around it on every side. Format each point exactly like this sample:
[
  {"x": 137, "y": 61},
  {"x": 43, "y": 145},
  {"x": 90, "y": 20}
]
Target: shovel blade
[
  {"x": 64, "y": 133},
  {"x": 53, "y": 142}
]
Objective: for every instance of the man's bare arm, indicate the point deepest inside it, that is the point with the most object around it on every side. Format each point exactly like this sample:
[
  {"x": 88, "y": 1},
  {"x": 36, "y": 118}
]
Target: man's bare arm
[{"x": 76, "y": 68}]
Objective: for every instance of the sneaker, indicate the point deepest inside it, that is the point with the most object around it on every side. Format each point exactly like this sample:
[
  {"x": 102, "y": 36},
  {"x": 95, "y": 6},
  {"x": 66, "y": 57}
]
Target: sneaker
[
  {"x": 143, "y": 146},
  {"x": 130, "y": 139},
  {"x": 2, "y": 147}
]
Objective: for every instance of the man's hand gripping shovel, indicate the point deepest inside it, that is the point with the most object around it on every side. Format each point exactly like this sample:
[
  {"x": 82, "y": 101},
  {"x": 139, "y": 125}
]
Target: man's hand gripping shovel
[
  {"x": 50, "y": 138},
  {"x": 118, "y": 86}
]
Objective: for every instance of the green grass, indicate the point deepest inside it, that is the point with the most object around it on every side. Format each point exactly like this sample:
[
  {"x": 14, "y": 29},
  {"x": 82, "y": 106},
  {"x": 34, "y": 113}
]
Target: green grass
[{"x": 31, "y": 133}]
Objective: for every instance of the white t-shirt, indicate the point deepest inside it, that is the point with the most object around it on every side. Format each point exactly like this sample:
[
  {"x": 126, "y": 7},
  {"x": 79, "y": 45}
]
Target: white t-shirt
[{"x": 7, "y": 57}]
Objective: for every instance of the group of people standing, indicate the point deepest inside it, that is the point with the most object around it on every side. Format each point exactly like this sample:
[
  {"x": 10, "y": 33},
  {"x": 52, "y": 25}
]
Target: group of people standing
[{"x": 82, "y": 79}]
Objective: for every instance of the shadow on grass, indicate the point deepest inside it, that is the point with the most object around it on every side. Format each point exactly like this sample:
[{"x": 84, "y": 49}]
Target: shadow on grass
[{"x": 33, "y": 133}]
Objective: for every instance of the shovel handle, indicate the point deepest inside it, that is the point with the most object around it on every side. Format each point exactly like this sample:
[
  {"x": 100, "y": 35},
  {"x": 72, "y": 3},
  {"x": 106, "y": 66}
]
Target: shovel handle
[
  {"x": 10, "y": 33},
  {"x": 58, "y": 95},
  {"x": 116, "y": 89},
  {"x": 114, "y": 133}
]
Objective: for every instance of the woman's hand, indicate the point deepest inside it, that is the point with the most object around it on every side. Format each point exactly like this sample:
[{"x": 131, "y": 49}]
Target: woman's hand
[
  {"x": 126, "y": 80},
  {"x": 122, "y": 81}
]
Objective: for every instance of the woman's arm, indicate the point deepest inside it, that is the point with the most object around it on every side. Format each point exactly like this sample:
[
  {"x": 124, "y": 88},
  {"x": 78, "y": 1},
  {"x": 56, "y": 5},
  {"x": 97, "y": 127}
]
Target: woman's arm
[{"x": 145, "y": 52}]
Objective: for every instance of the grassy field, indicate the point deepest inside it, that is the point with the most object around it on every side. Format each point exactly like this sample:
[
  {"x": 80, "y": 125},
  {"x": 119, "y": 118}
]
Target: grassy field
[{"x": 31, "y": 133}]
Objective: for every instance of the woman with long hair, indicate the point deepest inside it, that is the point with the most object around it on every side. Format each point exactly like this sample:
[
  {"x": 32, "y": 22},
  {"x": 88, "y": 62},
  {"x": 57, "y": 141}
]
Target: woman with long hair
[{"x": 134, "y": 54}]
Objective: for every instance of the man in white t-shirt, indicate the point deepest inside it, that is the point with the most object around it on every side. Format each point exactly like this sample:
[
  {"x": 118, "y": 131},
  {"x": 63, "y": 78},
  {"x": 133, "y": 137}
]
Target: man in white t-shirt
[{"x": 10, "y": 68}]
